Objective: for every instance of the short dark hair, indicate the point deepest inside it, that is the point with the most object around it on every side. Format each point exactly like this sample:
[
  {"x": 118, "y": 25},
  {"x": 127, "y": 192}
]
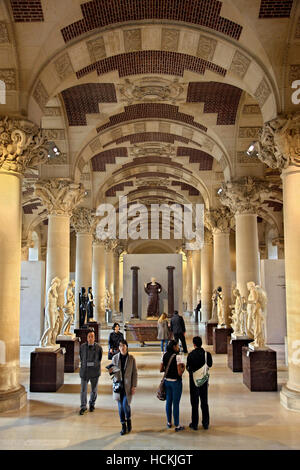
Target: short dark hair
[
  {"x": 90, "y": 330},
  {"x": 175, "y": 312},
  {"x": 123, "y": 341},
  {"x": 114, "y": 325},
  {"x": 171, "y": 345},
  {"x": 197, "y": 341}
]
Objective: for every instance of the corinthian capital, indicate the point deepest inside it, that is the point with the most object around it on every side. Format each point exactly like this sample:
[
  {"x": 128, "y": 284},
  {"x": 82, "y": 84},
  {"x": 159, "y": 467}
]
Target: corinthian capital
[
  {"x": 83, "y": 220},
  {"x": 21, "y": 145},
  {"x": 279, "y": 142},
  {"x": 218, "y": 220},
  {"x": 245, "y": 195},
  {"x": 59, "y": 195}
]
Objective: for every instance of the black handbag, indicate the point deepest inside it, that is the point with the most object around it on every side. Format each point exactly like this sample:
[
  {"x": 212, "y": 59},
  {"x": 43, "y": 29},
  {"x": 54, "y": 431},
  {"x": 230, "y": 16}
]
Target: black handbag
[{"x": 161, "y": 391}]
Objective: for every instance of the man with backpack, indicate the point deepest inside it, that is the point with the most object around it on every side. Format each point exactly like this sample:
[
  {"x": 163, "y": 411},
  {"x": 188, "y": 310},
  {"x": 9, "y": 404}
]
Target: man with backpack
[{"x": 195, "y": 361}]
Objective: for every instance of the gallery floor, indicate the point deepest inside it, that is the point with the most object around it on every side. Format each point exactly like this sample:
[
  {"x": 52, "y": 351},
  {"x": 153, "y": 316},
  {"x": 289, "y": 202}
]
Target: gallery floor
[{"x": 239, "y": 419}]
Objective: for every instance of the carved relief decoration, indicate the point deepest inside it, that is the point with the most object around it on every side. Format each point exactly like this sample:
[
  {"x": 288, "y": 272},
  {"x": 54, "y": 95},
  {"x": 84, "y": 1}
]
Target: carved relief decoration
[
  {"x": 150, "y": 89},
  {"x": 22, "y": 145},
  {"x": 59, "y": 195},
  {"x": 83, "y": 220},
  {"x": 8, "y": 76},
  {"x": 153, "y": 149},
  {"x": 219, "y": 220}
]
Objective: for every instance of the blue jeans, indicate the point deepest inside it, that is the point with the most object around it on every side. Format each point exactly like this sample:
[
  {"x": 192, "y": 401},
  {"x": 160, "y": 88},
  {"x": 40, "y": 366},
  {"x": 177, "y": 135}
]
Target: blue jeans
[
  {"x": 83, "y": 392},
  {"x": 124, "y": 408},
  {"x": 173, "y": 392},
  {"x": 163, "y": 344}
]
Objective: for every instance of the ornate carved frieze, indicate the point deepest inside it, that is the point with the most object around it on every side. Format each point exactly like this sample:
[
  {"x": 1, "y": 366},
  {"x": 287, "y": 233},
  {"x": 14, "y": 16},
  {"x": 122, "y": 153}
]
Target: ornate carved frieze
[
  {"x": 206, "y": 47},
  {"x": 95, "y": 145},
  {"x": 22, "y": 145},
  {"x": 219, "y": 220},
  {"x": 245, "y": 195},
  {"x": 96, "y": 49},
  {"x": 83, "y": 220},
  {"x": 40, "y": 95},
  {"x": 150, "y": 89},
  {"x": 263, "y": 92},
  {"x": 153, "y": 149},
  {"x": 64, "y": 66},
  {"x": 170, "y": 39},
  {"x": 239, "y": 65},
  {"x": 249, "y": 132},
  {"x": 133, "y": 40},
  {"x": 3, "y": 33},
  {"x": 59, "y": 195},
  {"x": 279, "y": 142},
  {"x": 251, "y": 109},
  {"x": 54, "y": 134},
  {"x": 52, "y": 111},
  {"x": 152, "y": 182}
]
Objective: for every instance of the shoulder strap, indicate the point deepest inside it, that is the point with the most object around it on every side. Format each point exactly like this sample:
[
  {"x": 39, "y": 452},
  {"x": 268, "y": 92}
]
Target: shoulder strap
[
  {"x": 205, "y": 357},
  {"x": 169, "y": 363}
]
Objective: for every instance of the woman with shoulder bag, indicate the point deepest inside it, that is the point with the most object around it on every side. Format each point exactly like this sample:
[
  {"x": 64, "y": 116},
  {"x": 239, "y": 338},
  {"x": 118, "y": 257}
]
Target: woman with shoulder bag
[
  {"x": 172, "y": 361},
  {"x": 126, "y": 364}
]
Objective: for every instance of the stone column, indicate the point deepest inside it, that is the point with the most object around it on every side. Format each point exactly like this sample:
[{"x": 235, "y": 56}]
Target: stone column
[
  {"x": 184, "y": 279},
  {"x": 82, "y": 220},
  {"x": 60, "y": 196},
  {"x": 244, "y": 197},
  {"x": 170, "y": 290},
  {"x": 21, "y": 146},
  {"x": 219, "y": 222},
  {"x": 189, "y": 281},
  {"x": 98, "y": 279},
  {"x": 279, "y": 242},
  {"x": 206, "y": 276},
  {"x": 279, "y": 147},
  {"x": 135, "y": 292},
  {"x": 196, "y": 277}
]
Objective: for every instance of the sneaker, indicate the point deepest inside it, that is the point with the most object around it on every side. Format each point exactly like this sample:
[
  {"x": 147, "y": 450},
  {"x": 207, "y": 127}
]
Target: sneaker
[
  {"x": 169, "y": 425},
  {"x": 82, "y": 411},
  {"x": 205, "y": 426},
  {"x": 92, "y": 408},
  {"x": 179, "y": 428},
  {"x": 195, "y": 428}
]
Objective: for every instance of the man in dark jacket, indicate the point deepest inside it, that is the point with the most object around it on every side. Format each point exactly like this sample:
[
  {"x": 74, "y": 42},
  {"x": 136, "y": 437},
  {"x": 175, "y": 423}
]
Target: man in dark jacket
[
  {"x": 196, "y": 360},
  {"x": 90, "y": 369},
  {"x": 178, "y": 329}
]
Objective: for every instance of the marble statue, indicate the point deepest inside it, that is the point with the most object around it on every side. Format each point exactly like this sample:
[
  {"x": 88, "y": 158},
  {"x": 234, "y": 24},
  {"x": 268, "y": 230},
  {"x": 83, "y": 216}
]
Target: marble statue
[
  {"x": 83, "y": 300},
  {"x": 90, "y": 305},
  {"x": 153, "y": 288},
  {"x": 107, "y": 300},
  {"x": 214, "y": 298},
  {"x": 237, "y": 316},
  {"x": 220, "y": 309},
  {"x": 256, "y": 305},
  {"x": 52, "y": 316},
  {"x": 68, "y": 309}
]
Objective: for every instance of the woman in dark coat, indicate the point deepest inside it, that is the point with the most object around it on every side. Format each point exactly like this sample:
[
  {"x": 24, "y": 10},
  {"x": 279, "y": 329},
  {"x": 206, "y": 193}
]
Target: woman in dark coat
[{"x": 114, "y": 340}]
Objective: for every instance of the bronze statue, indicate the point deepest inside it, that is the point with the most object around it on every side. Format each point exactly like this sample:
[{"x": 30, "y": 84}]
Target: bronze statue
[{"x": 153, "y": 288}]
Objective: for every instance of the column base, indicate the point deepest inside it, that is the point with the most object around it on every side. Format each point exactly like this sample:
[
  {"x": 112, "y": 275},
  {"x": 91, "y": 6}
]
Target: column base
[
  {"x": 12, "y": 401},
  {"x": 290, "y": 399}
]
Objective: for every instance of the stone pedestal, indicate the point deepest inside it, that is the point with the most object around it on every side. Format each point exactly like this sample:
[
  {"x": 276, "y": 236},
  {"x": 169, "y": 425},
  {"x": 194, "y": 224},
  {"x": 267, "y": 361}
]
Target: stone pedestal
[
  {"x": 72, "y": 353},
  {"x": 46, "y": 371},
  {"x": 142, "y": 331},
  {"x": 220, "y": 339},
  {"x": 259, "y": 370},
  {"x": 234, "y": 351},
  {"x": 209, "y": 331}
]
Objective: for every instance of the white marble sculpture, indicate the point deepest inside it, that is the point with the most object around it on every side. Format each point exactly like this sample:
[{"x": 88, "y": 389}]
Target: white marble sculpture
[
  {"x": 220, "y": 309},
  {"x": 237, "y": 316},
  {"x": 214, "y": 313},
  {"x": 48, "y": 339},
  {"x": 68, "y": 309},
  {"x": 256, "y": 305},
  {"x": 107, "y": 300}
]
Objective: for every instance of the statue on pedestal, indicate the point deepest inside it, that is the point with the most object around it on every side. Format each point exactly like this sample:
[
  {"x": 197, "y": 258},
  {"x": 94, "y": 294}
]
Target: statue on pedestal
[
  {"x": 153, "y": 288},
  {"x": 107, "y": 300},
  {"x": 257, "y": 302},
  {"x": 237, "y": 316},
  {"x": 69, "y": 308},
  {"x": 220, "y": 309},
  {"x": 83, "y": 300},
  {"x": 90, "y": 305},
  {"x": 52, "y": 316},
  {"x": 214, "y": 313}
]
